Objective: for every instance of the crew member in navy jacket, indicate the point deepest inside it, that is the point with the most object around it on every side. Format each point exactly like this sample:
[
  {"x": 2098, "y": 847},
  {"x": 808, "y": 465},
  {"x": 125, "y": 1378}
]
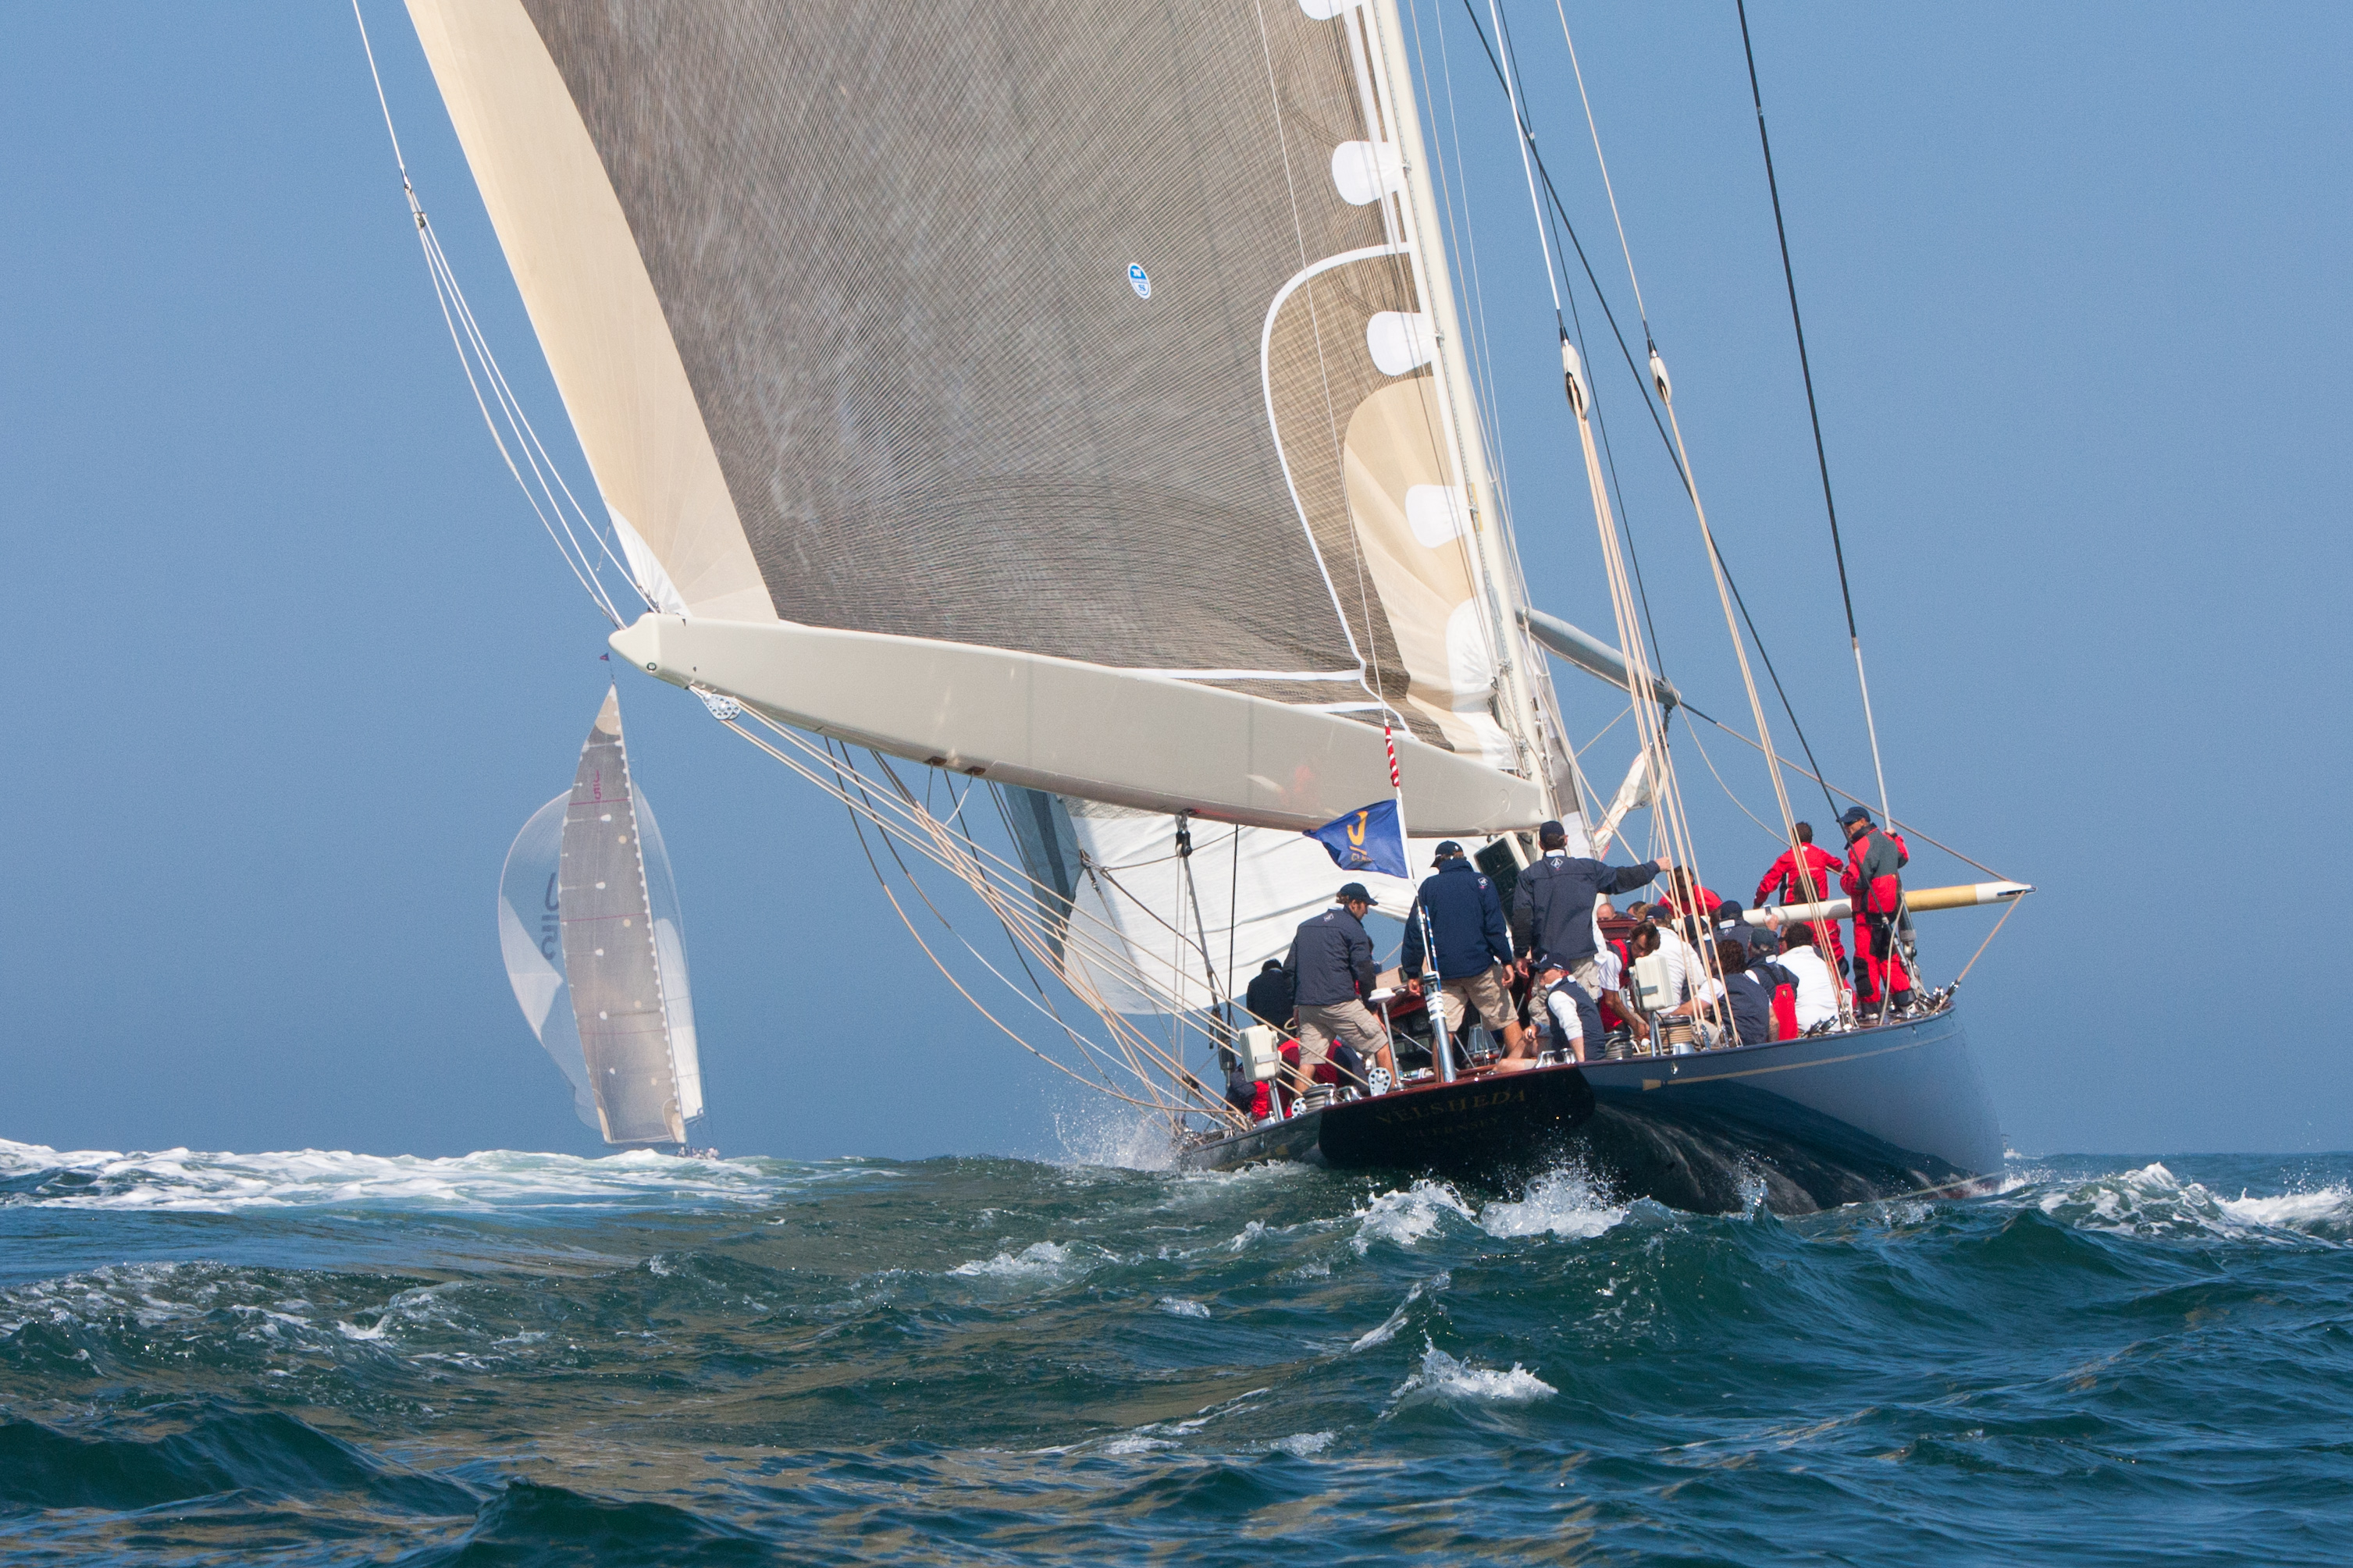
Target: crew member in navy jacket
[
  {"x": 1474, "y": 948},
  {"x": 1331, "y": 967},
  {"x": 1552, "y": 912}
]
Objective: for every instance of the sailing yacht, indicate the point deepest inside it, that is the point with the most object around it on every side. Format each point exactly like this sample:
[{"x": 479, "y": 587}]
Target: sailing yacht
[
  {"x": 1075, "y": 399},
  {"x": 595, "y": 948}
]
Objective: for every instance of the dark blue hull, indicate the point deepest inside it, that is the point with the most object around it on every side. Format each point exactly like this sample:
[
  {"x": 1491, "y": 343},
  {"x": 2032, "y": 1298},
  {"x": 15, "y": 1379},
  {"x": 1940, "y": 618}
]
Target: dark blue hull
[{"x": 1801, "y": 1125}]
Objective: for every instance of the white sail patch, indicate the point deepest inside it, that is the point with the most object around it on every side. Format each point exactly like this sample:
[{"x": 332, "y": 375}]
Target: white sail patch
[
  {"x": 1471, "y": 664},
  {"x": 1437, "y": 514},
  {"x": 646, "y": 567},
  {"x": 1401, "y": 341},
  {"x": 1365, "y": 172},
  {"x": 1326, "y": 10}
]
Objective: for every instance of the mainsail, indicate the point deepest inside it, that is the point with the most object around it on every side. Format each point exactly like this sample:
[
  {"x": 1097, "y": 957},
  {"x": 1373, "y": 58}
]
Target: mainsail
[
  {"x": 1063, "y": 332},
  {"x": 589, "y": 927}
]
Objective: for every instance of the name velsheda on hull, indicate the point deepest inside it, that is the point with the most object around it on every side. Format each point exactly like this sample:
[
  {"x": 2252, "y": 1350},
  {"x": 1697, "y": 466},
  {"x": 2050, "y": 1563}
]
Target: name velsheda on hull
[{"x": 1805, "y": 1124}]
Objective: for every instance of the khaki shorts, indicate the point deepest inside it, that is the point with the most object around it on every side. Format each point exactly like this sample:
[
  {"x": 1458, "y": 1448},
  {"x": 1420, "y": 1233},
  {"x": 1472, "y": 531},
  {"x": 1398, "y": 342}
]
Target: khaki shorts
[
  {"x": 1490, "y": 994},
  {"x": 1351, "y": 1021},
  {"x": 1586, "y": 971}
]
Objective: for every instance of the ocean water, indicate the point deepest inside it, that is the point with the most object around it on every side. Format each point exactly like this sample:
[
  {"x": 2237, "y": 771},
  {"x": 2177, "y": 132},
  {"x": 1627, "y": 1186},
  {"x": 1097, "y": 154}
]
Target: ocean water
[{"x": 513, "y": 1358}]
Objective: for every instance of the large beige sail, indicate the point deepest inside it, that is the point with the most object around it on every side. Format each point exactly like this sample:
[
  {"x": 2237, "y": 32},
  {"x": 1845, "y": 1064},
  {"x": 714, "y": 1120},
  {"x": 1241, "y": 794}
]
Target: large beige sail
[{"x": 1068, "y": 329}]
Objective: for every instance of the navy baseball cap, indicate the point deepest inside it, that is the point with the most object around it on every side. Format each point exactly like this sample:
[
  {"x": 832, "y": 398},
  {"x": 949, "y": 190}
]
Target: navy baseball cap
[
  {"x": 1354, "y": 893},
  {"x": 1447, "y": 851},
  {"x": 1854, "y": 814},
  {"x": 1552, "y": 831}
]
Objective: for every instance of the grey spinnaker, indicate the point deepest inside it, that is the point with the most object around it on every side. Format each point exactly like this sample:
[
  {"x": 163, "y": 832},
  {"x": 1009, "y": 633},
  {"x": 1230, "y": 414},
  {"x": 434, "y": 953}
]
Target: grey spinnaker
[{"x": 590, "y": 930}]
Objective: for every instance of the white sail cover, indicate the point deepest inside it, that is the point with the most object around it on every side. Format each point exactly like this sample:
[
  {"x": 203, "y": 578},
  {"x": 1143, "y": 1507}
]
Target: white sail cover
[
  {"x": 588, "y": 889},
  {"x": 1067, "y": 327}
]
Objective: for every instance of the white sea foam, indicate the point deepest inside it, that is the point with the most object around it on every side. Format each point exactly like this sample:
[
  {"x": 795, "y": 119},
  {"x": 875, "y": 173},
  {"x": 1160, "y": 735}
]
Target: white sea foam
[
  {"x": 2153, "y": 1202},
  {"x": 1402, "y": 1218},
  {"x": 1040, "y": 1259},
  {"x": 1178, "y": 1307},
  {"x": 1561, "y": 1204},
  {"x": 1303, "y": 1445},
  {"x": 1106, "y": 1133},
  {"x": 188, "y": 1179},
  {"x": 1441, "y": 1377},
  {"x": 2322, "y": 1207}
]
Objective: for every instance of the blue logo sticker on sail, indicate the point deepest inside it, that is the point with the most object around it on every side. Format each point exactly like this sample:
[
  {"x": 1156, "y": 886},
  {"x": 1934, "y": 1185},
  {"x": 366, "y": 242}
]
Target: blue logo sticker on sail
[{"x": 1139, "y": 281}]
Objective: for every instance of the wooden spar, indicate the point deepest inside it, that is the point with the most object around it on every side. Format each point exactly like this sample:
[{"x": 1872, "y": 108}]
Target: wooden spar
[{"x": 1963, "y": 896}]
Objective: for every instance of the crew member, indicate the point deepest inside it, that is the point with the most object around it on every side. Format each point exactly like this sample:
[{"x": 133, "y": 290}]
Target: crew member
[
  {"x": 1882, "y": 976},
  {"x": 1685, "y": 897},
  {"x": 1732, "y": 925},
  {"x": 1571, "y": 1014},
  {"x": 1473, "y": 956},
  {"x": 1552, "y": 912},
  {"x": 1806, "y": 875},
  {"x": 1612, "y": 959},
  {"x": 1269, "y": 998},
  {"x": 1744, "y": 999},
  {"x": 1331, "y": 967},
  {"x": 1817, "y": 998}
]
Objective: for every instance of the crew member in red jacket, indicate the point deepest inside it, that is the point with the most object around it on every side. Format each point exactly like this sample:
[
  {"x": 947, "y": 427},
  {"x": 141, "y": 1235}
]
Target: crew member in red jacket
[
  {"x": 1802, "y": 876},
  {"x": 1871, "y": 881}
]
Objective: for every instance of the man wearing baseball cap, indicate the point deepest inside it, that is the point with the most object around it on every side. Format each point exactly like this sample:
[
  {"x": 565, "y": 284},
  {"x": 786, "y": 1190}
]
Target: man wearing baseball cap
[
  {"x": 1331, "y": 966},
  {"x": 1552, "y": 912},
  {"x": 1872, "y": 883},
  {"x": 1473, "y": 947}
]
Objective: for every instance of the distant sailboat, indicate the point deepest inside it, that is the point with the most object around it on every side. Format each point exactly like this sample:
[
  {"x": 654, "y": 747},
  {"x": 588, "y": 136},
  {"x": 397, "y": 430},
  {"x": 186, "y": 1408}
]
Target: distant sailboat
[{"x": 588, "y": 923}]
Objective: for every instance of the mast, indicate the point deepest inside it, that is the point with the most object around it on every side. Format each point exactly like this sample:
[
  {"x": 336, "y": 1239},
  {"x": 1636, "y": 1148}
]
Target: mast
[{"x": 1517, "y": 707}]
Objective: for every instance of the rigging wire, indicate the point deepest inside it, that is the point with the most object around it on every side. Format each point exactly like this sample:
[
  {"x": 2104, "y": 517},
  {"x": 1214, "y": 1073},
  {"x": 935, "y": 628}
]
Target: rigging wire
[
  {"x": 1813, "y": 411},
  {"x": 466, "y": 335},
  {"x": 1532, "y": 153},
  {"x": 902, "y": 818},
  {"x": 926, "y": 835},
  {"x": 1666, "y": 397},
  {"x": 1910, "y": 828},
  {"x": 1544, "y": 176}
]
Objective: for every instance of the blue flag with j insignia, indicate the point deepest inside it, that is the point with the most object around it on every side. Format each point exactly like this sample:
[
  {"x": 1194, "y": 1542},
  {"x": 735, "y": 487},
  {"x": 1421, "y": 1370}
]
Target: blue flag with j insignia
[{"x": 1366, "y": 840}]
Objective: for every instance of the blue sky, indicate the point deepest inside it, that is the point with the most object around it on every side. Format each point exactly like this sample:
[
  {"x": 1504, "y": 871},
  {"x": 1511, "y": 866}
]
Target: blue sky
[{"x": 293, "y": 662}]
